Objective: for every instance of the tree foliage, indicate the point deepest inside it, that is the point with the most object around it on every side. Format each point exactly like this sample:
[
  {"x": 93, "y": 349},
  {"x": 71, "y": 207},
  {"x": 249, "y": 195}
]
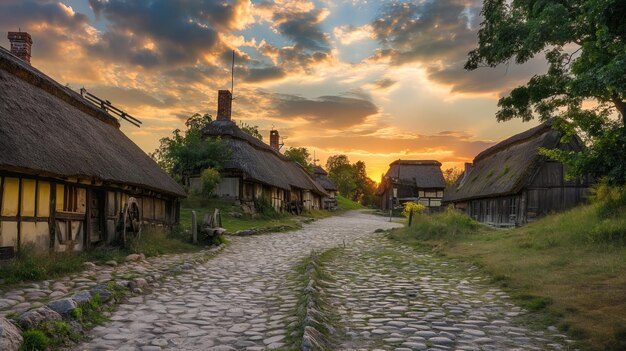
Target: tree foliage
[
  {"x": 209, "y": 178},
  {"x": 186, "y": 153},
  {"x": 352, "y": 180},
  {"x": 584, "y": 88},
  {"x": 451, "y": 175},
  {"x": 250, "y": 129},
  {"x": 300, "y": 155}
]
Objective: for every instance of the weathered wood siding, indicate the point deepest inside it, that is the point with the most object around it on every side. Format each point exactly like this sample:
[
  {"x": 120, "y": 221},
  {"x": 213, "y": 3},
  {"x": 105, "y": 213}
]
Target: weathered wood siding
[{"x": 52, "y": 214}]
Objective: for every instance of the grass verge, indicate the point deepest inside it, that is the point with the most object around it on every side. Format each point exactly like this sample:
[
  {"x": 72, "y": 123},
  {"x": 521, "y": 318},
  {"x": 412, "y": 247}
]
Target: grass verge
[
  {"x": 30, "y": 265},
  {"x": 567, "y": 268}
]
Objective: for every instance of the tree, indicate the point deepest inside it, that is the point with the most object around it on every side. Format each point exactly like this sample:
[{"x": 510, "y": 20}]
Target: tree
[
  {"x": 300, "y": 155},
  {"x": 584, "y": 89},
  {"x": 187, "y": 153},
  {"x": 250, "y": 129},
  {"x": 451, "y": 175},
  {"x": 351, "y": 179}
]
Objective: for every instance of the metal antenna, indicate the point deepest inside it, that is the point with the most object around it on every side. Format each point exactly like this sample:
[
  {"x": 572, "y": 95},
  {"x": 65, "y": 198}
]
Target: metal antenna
[{"x": 232, "y": 76}]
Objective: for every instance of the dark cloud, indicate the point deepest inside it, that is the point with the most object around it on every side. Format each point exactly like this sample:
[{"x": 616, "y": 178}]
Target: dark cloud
[
  {"x": 256, "y": 75},
  {"x": 29, "y": 17},
  {"x": 328, "y": 111},
  {"x": 304, "y": 29},
  {"x": 164, "y": 32},
  {"x": 384, "y": 83},
  {"x": 439, "y": 34}
]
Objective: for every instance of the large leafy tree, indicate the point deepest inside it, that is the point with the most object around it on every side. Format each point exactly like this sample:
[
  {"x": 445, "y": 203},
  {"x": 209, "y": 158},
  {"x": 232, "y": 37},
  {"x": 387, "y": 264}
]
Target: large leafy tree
[
  {"x": 186, "y": 153},
  {"x": 584, "y": 89},
  {"x": 351, "y": 179},
  {"x": 300, "y": 155}
]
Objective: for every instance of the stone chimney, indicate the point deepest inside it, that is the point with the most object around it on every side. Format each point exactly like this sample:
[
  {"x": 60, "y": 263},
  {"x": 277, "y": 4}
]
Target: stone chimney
[
  {"x": 21, "y": 42},
  {"x": 275, "y": 140},
  {"x": 224, "y": 104}
]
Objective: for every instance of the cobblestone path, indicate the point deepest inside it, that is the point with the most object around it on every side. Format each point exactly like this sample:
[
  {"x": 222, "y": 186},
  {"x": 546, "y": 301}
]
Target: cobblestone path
[
  {"x": 390, "y": 297},
  {"x": 239, "y": 300}
]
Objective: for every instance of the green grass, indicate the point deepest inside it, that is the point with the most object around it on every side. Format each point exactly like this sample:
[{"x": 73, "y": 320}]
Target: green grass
[
  {"x": 568, "y": 268},
  {"x": 233, "y": 223},
  {"x": 345, "y": 204},
  {"x": 30, "y": 265}
]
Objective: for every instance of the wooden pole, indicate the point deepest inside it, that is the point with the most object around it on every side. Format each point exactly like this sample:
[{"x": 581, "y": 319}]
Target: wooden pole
[
  {"x": 411, "y": 217},
  {"x": 194, "y": 227}
]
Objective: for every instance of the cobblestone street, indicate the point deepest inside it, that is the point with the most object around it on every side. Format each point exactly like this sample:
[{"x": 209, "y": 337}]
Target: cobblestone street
[
  {"x": 391, "y": 297},
  {"x": 240, "y": 300}
]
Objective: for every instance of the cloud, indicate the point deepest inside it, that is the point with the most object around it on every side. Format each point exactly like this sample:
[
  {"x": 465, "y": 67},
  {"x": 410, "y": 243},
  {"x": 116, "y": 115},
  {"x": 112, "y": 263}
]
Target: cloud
[
  {"x": 384, "y": 83},
  {"x": 131, "y": 97},
  {"x": 348, "y": 34},
  {"x": 438, "y": 35},
  {"x": 257, "y": 75},
  {"x": 329, "y": 111}
]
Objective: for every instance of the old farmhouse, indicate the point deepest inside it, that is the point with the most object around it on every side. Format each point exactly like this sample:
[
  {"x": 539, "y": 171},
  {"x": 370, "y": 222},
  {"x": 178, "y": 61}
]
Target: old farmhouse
[
  {"x": 321, "y": 176},
  {"x": 510, "y": 183},
  {"x": 68, "y": 175},
  {"x": 259, "y": 171},
  {"x": 414, "y": 181}
]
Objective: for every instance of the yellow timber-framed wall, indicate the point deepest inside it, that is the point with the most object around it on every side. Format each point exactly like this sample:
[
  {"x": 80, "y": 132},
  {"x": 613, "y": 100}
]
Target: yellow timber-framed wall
[{"x": 71, "y": 214}]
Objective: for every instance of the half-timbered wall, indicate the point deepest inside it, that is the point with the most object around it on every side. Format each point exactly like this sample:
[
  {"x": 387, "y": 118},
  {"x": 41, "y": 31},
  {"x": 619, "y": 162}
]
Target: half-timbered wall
[{"x": 69, "y": 216}]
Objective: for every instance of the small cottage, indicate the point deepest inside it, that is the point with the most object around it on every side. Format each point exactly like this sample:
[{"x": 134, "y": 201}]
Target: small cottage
[
  {"x": 510, "y": 183},
  {"x": 257, "y": 171},
  {"x": 321, "y": 176},
  {"x": 68, "y": 174},
  {"x": 418, "y": 181}
]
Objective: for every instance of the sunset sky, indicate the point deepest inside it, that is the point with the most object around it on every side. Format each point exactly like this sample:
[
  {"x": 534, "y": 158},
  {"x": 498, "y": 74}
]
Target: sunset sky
[{"x": 375, "y": 80}]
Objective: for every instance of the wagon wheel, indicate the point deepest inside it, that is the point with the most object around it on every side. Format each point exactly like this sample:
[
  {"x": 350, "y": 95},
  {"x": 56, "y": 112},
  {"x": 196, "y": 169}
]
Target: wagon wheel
[{"x": 131, "y": 215}]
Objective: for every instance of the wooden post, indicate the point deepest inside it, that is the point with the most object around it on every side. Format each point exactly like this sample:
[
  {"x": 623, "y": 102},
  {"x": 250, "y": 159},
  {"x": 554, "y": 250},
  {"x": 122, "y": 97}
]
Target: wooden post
[
  {"x": 411, "y": 217},
  {"x": 194, "y": 227}
]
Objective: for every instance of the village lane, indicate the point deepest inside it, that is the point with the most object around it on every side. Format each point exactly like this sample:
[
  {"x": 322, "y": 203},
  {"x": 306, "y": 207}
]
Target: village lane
[
  {"x": 391, "y": 297},
  {"x": 240, "y": 300}
]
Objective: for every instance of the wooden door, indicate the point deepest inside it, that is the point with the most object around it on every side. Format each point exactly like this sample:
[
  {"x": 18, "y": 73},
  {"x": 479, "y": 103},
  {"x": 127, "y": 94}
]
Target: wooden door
[{"x": 96, "y": 216}]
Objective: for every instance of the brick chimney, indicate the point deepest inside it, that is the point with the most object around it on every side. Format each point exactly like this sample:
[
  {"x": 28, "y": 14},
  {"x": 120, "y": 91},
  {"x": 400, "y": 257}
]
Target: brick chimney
[
  {"x": 224, "y": 103},
  {"x": 275, "y": 140},
  {"x": 21, "y": 42}
]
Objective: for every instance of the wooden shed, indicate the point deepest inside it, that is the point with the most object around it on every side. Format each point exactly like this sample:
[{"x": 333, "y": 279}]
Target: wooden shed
[
  {"x": 66, "y": 169},
  {"x": 415, "y": 181},
  {"x": 510, "y": 183},
  {"x": 256, "y": 170}
]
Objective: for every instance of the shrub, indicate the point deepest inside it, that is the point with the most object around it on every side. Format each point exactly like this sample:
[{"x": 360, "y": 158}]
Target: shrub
[
  {"x": 209, "y": 178},
  {"x": 264, "y": 208},
  {"x": 412, "y": 207},
  {"x": 34, "y": 340}
]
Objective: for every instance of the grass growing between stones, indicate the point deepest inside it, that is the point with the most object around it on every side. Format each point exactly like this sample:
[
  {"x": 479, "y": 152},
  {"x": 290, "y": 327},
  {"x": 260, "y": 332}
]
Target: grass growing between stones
[
  {"x": 317, "y": 324},
  {"x": 568, "y": 269},
  {"x": 56, "y": 335}
]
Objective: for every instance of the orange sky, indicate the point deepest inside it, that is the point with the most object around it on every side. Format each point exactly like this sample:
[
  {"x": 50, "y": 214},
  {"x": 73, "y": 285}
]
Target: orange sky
[{"x": 376, "y": 81}]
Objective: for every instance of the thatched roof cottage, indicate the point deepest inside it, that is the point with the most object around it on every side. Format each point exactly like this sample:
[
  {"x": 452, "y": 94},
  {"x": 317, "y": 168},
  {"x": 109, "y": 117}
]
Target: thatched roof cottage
[
  {"x": 66, "y": 169},
  {"x": 510, "y": 183},
  {"x": 258, "y": 171},
  {"x": 414, "y": 180},
  {"x": 321, "y": 176}
]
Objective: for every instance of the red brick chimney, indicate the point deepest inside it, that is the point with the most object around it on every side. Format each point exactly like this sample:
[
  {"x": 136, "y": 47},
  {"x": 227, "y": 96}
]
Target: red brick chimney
[
  {"x": 275, "y": 140},
  {"x": 21, "y": 42},
  {"x": 224, "y": 103}
]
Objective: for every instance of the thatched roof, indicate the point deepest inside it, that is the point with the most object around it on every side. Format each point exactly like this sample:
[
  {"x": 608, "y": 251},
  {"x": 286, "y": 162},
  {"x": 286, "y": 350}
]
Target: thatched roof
[
  {"x": 258, "y": 161},
  {"x": 321, "y": 176},
  {"x": 418, "y": 173},
  {"x": 506, "y": 167},
  {"x": 49, "y": 130}
]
